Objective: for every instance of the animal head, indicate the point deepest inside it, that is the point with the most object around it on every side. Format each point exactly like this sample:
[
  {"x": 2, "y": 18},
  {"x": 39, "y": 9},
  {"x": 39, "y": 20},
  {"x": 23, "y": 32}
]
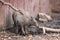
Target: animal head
[{"x": 34, "y": 22}]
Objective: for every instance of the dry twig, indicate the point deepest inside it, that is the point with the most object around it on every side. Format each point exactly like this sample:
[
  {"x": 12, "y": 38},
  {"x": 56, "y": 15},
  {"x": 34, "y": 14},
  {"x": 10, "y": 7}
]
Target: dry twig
[
  {"x": 11, "y": 6},
  {"x": 49, "y": 29}
]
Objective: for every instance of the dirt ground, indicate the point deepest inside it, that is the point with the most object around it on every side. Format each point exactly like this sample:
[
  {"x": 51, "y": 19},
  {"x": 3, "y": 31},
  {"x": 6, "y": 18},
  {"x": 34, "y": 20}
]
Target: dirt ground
[{"x": 11, "y": 36}]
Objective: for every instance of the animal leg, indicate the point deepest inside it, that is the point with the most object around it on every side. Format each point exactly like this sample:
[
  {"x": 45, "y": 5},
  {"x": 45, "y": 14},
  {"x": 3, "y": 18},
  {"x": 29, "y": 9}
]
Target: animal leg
[
  {"x": 16, "y": 30},
  {"x": 23, "y": 30},
  {"x": 26, "y": 32}
]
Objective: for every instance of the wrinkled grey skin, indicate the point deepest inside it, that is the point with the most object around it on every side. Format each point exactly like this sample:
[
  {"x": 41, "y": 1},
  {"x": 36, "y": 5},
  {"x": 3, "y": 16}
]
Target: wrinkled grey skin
[{"x": 21, "y": 21}]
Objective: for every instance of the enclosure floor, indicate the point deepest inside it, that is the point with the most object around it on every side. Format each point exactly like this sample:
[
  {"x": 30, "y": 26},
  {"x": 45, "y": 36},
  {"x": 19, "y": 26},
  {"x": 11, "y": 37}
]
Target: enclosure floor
[{"x": 12, "y": 36}]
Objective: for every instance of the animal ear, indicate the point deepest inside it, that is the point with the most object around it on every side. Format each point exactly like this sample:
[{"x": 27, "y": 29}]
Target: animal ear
[
  {"x": 31, "y": 18},
  {"x": 37, "y": 16}
]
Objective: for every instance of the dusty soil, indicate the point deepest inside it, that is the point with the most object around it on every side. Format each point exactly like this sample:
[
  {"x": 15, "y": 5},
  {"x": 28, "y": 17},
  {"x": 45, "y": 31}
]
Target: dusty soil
[{"x": 11, "y": 36}]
